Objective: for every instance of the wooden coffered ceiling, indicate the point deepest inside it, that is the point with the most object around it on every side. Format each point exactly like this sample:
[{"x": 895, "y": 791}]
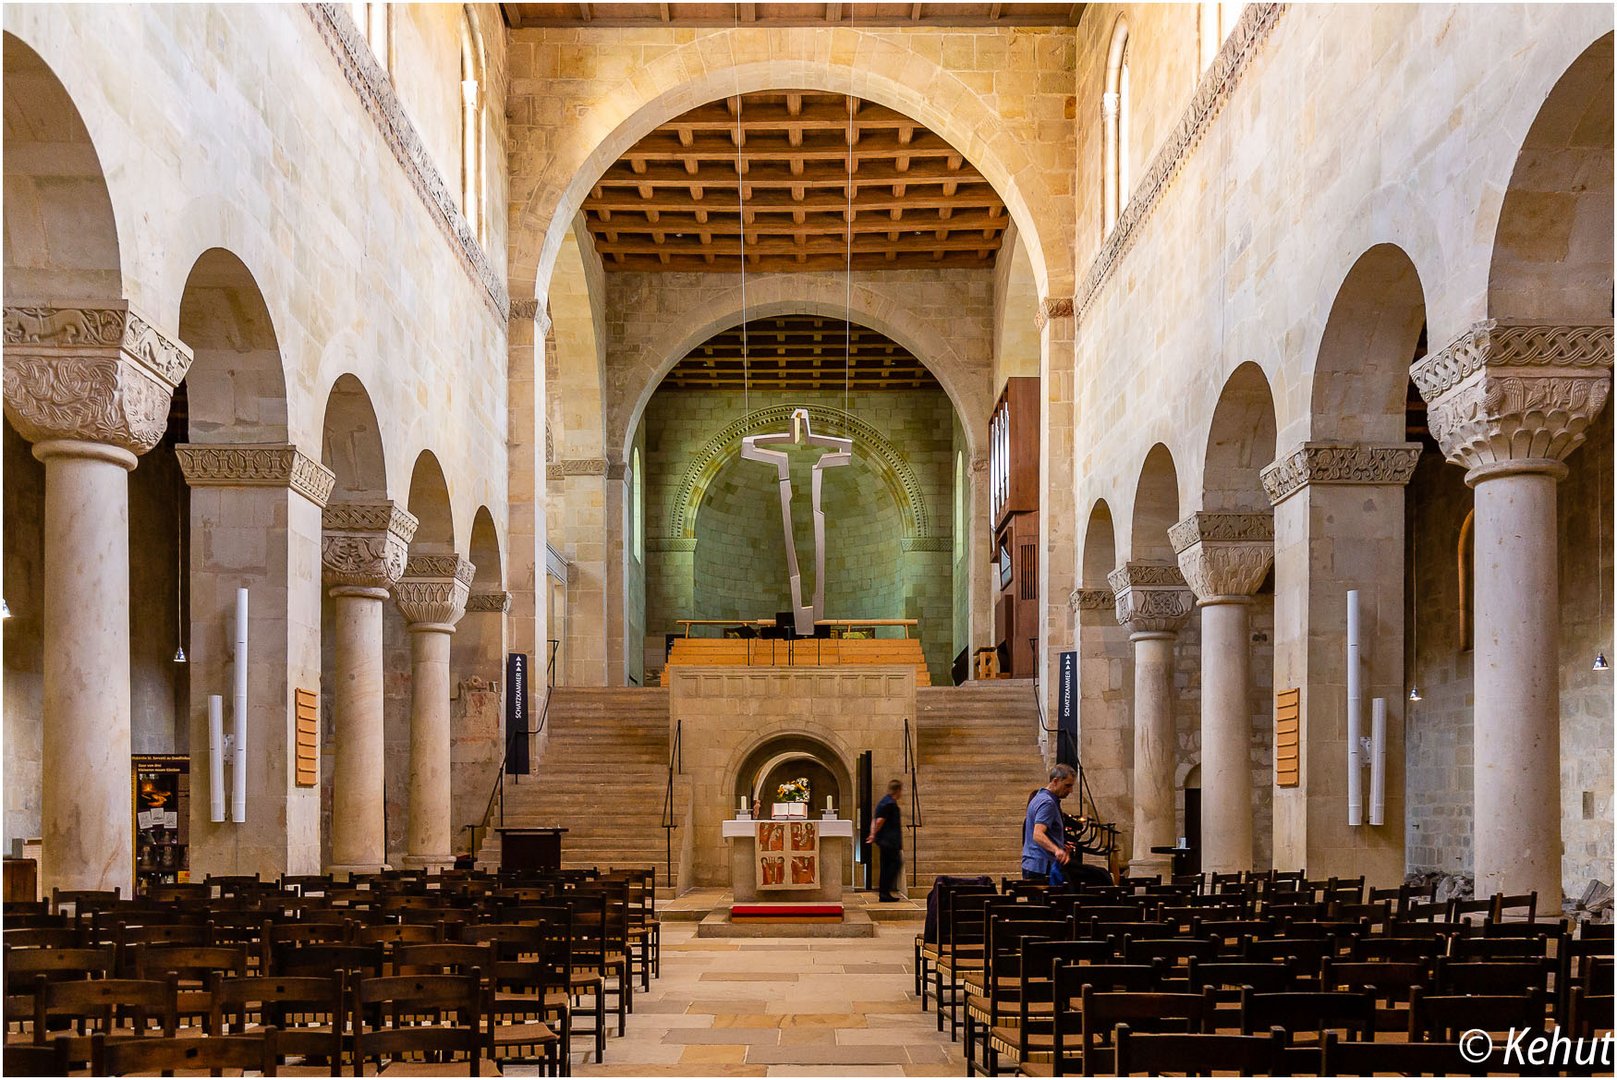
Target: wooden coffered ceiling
[
  {"x": 671, "y": 202},
  {"x": 524, "y": 16},
  {"x": 800, "y": 352}
]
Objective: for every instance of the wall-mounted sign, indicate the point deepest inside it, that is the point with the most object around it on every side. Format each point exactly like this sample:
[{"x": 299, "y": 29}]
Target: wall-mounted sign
[
  {"x": 1067, "y": 710},
  {"x": 516, "y": 713}
]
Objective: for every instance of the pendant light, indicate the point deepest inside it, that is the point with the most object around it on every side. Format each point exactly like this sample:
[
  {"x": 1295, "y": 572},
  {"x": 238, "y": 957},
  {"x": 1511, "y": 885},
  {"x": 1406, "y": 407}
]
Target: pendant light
[{"x": 1414, "y": 609}]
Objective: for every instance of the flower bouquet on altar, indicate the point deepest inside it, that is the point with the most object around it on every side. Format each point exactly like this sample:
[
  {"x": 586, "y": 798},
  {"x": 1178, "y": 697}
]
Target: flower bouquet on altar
[{"x": 791, "y": 799}]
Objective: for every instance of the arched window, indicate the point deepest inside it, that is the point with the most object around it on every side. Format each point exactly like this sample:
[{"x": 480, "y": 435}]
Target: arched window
[
  {"x": 1114, "y": 108},
  {"x": 959, "y": 505},
  {"x": 637, "y": 511},
  {"x": 473, "y": 120},
  {"x": 375, "y": 22},
  {"x": 1215, "y": 21}
]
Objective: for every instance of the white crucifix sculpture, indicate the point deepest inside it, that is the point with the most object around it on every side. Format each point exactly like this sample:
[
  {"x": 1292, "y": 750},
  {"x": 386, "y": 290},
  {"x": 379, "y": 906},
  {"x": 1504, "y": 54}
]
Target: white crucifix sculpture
[{"x": 838, "y": 452}]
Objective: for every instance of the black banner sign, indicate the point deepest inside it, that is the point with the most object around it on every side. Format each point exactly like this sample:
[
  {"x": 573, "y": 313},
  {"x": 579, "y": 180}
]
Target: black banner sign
[{"x": 516, "y": 713}]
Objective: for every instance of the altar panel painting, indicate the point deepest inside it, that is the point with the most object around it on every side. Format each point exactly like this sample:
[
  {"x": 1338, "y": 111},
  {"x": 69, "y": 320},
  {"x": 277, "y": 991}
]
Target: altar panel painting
[{"x": 788, "y": 855}]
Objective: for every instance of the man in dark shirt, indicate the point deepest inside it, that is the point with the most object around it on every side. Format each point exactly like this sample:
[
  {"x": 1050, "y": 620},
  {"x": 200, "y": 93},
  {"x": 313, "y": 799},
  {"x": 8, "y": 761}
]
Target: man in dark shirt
[{"x": 887, "y": 833}]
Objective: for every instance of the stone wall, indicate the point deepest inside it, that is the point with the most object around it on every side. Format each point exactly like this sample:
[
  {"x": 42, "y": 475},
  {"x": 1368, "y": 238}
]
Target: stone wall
[
  {"x": 737, "y": 565},
  {"x": 24, "y": 593}
]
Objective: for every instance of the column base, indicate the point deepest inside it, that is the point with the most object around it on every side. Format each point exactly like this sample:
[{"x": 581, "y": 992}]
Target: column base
[
  {"x": 428, "y": 862},
  {"x": 356, "y": 868},
  {"x": 1151, "y": 864}
]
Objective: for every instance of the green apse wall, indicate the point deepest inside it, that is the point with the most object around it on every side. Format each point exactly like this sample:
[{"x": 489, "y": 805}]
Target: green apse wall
[{"x": 734, "y": 566}]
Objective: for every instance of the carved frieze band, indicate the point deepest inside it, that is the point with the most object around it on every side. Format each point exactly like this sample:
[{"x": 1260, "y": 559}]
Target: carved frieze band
[
  {"x": 1516, "y": 392},
  {"x": 926, "y": 543},
  {"x": 1216, "y": 85},
  {"x": 670, "y": 543},
  {"x": 1339, "y": 463},
  {"x": 489, "y": 601},
  {"x": 1051, "y": 308},
  {"x": 93, "y": 371},
  {"x": 1092, "y": 600},
  {"x": 256, "y": 465},
  {"x": 375, "y": 90},
  {"x": 557, "y": 470},
  {"x": 1224, "y": 555},
  {"x": 434, "y": 589},
  {"x": 365, "y": 544},
  {"x": 1150, "y": 597}
]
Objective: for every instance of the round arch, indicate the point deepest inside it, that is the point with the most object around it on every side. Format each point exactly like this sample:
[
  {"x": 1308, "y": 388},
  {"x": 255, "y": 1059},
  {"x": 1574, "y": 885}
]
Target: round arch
[
  {"x": 1100, "y": 548},
  {"x": 1240, "y": 442},
  {"x": 430, "y": 503},
  {"x": 351, "y": 446},
  {"x": 890, "y": 464},
  {"x": 866, "y": 304},
  {"x": 1156, "y": 508},
  {"x": 485, "y": 553},
  {"x": 1361, "y": 373},
  {"x": 236, "y": 385},
  {"x": 835, "y": 61}
]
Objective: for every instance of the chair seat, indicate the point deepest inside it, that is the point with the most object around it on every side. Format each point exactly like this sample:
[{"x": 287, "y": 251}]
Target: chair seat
[
  {"x": 531, "y": 1033},
  {"x": 549, "y": 1001},
  {"x": 429, "y": 1068},
  {"x": 1007, "y": 1042},
  {"x": 1037, "y": 1068}
]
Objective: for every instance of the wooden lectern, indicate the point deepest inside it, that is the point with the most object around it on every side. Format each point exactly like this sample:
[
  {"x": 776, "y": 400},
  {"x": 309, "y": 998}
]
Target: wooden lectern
[{"x": 530, "y": 849}]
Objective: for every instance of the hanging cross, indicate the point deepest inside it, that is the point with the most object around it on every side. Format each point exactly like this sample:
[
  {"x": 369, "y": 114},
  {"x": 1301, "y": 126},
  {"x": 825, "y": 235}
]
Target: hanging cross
[{"x": 838, "y": 452}]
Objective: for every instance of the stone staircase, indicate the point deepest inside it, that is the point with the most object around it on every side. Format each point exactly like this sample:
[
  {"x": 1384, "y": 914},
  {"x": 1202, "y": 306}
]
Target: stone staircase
[
  {"x": 979, "y": 761},
  {"x": 601, "y": 775}
]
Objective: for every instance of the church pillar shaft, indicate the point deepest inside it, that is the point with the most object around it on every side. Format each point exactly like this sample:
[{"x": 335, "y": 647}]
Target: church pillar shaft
[
  {"x": 1509, "y": 402},
  {"x": 432, "y": 596},
  {"x": 90, "y": 387}
]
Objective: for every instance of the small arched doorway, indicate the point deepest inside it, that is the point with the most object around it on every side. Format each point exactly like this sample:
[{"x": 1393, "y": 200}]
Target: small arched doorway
[{"x": 791, "y": 756}]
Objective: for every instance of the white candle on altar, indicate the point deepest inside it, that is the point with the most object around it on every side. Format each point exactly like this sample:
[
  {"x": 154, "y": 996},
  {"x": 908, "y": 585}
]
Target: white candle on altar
[
  {"x": 742, "y": 812},
  {"x": 828, "y": 804}
]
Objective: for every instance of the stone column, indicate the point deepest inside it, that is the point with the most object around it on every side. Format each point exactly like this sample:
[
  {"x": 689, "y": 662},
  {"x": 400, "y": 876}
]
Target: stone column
[
  {"x": 1509, "y": 402},
  {"x": 1224, "y": 558},
  {"x": 89, "y": 385},
  {"x": 432, "y": 595},
  {"x": 255, "y": 522},
  {"x": 1105, "y": 732},
  {"x": 1058, "y": 515},
  {"x": 363, "y": 551},
  {"x": 1153, "y": 605}
]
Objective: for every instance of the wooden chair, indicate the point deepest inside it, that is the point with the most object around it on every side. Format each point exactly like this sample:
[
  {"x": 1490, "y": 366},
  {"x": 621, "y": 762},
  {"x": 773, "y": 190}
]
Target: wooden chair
[
  {"x": 165, "y": 1056},
  {"x": 514, "y": 1035},
  {"x": 126, "y": 1008},
  {"x": 1499, "y": 948},
  {"x": 24, "y": 968},
  {"x": 399, "y": 934},
  {"x": 44, "y": 937},
  {"x": 386, "y": 1015},
  {"x": 993, "y": 990},
  {"x": 1196, "y": 1054},
  {"x": 83, "y": 901},
  {"x": 1389, "y": 983},
  {"x": 1445, "y": 1017},
  {"x": 600, "y": 948},
  {"x": 1069, "y": 980},
  {"x": 1590, "y": 1004},
  {"x": 1353, "y": 1057},
  {"x": 1350, "y": 1013},
  {"x": 1025, "y": 1036},
  {"x": 535, "y": 984},
  {"x": 320, "y": 959},
  {"x": 192, "y": 968},
  {"x": 31, "y": 1059},
  {"x": 1104, "y": 1012},
  {"x": 306, "y": 1012}
]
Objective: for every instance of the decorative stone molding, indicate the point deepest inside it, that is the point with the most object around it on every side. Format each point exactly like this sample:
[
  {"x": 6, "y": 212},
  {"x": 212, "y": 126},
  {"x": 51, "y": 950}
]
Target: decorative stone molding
[
  {"x": 926, "y": 543},
  {"x": 1150, "y": 597},
  {"x": 256, "y": 465},
  {"x": 1051, "y": 308},
  {"x": 97, "y": 372},
  {"x": 1505, "y": 396},
  {"x": 670, "y": 543},
  {"x": 1224, "y": 556},
  {"x": 616, "y": 469},
  {"x": 1092, "y": 600},
  {"x": 365, "y": 544},
  {"x": 529, "y": 309},
  {"x": 1339, "y": 463},
  {"x": 890, "y": 464},
  {"x": 557, "y": 470},
  {"x": 488, "y": 601},
  {"x": 1212, "y": 92},
  {"x": 433, "y": 592},
  {"x": 376, "y": 94}
]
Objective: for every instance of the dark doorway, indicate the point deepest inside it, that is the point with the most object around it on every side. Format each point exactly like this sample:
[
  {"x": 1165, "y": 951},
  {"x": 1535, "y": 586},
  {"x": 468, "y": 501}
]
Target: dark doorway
[{"x": 1193, "y": 830}]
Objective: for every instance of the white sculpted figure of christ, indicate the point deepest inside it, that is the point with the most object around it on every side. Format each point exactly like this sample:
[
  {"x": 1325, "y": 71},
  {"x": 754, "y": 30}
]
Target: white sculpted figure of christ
[{"x": 838, "y": 452}]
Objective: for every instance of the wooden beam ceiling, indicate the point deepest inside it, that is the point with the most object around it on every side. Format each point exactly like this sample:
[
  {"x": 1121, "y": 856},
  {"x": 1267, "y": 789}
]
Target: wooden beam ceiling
[
  {"x": 538, "y": 16},
  {"x": 816, "y": 178},
  {"x": 800, "y": 352}
]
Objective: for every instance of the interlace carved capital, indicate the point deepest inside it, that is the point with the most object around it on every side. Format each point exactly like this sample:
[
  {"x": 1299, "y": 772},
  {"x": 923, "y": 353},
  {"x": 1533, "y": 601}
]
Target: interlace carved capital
[
  {"x": 1092, "y": 600},
  {"x": 1150, "y": 597},
  {"x": 1503, "y": 396},
  {"x": 256, "y": 465},
  {"x": 434, "y": 589},
  {"x": 489, "y": 601},
  {"x": 1223, "y": 555},
  {"x": 1050, "y": 309},
  {"x": 94, "y": 371},
  {"x": 1339, "y": 463},
  {"x": 365, "y": 545}
]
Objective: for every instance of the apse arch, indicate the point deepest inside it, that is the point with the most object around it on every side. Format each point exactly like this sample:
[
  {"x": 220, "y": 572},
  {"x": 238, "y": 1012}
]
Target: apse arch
[
  {"x": 236, "y": 386},
  {"x": 833, "y": 61},
  {"x": 870, "y": 444},
  {"x": 865, "y": 304},
  {"x": 1360, "y": 380},
  {"x": 61, "y": 234},
  {"x": 1552, "y": 249}
]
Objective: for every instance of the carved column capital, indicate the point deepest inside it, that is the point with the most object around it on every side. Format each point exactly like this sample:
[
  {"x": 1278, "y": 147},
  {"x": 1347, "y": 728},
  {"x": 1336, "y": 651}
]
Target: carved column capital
[
  {"x": 489, "y": 601},
  {"x": 433, "y": 592},
  {"x": 364, "y": 545},
  {"x": 1092, "y": 600},
  {"x": 1339, "y": 463},
  {"x": 1051, "y": 308},
  {"x": 1515, "y": 397},
  {"x": 255, "y": 465},
  {"x": 92, "y": 371},
  {"x": 1151, "y": 598},
  {"x": 1224, "y": 557}
]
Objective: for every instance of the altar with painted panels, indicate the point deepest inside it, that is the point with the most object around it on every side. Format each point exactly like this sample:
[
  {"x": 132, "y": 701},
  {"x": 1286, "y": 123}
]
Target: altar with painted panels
[{"x": 789, "y": 861}]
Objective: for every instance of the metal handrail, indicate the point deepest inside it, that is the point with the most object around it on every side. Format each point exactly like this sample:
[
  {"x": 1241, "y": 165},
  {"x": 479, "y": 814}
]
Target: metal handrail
[
  {"x": 496, "y": 797},
  {"x": 676, "y": 763},
  {"x": 912, "y": 761},
  {"x": 1099, "y": 837}
]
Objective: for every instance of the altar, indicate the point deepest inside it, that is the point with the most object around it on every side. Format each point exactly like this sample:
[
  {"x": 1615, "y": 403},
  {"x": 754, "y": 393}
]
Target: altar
[{"x": 789, "y": 860}]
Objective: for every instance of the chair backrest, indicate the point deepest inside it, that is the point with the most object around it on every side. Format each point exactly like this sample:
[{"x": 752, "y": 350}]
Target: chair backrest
[
  {"x": 36, "y": 1059},
  {"x": 1499, "y": 948},
  {"x": 1194, "y": 1053},
  {"x": 1489, "y": 977},
  {"x": 1153, "y": 1011},
  {"x": 1400, "y": 949},
  {"x": 126, "y": 1057},
  {"x": 1389, "y": 980},
  {"x": 398, "y": 933},
  {"x": 1353, "y": 1057},
  {"x": 1306, "y": 952},
  {"x": 84, "y": 900},
  {"x": 307, "y": 1011},
  {"x": 444, "y": 958},
  {"x": 100, "y": 1003},
  {"x": 189, "y": 963},
  {"x": 1519, "y": 905},
  {"x": 321, "y": 959},
  {"x": 1444, "y": 1017},
  {"x": 1176, "y": 951},
  {"x": 1351, "y": 1012},
  {"x": 24, "y": 966},
  {"x": 1227, "y": 976},
  {"x": 386, "y": 1014},
  {"x": 43, "y": 937}
]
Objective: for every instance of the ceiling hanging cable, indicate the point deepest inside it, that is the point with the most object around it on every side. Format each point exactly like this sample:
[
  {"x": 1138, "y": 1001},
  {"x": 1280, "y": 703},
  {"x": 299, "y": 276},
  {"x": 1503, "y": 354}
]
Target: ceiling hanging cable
[
  {"x": 847, "y": 280},
  {"x": 741, "y": 228}
]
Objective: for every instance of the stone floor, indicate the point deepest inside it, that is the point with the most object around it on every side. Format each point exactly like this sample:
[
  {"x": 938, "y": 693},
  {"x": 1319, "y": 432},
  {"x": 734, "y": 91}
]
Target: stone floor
[{"x": 781, "y": 1007}]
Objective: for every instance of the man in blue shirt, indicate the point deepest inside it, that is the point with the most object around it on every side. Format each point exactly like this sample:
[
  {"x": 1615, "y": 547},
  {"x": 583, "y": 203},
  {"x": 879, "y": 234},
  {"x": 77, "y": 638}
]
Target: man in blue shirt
[
  {"x": 1044, "y": 837},
  {"x": 887, "y": 833}
]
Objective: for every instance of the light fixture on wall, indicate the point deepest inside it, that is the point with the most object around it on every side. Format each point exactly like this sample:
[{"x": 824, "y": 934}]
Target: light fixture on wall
[{"x": 1414, "y": 609}]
